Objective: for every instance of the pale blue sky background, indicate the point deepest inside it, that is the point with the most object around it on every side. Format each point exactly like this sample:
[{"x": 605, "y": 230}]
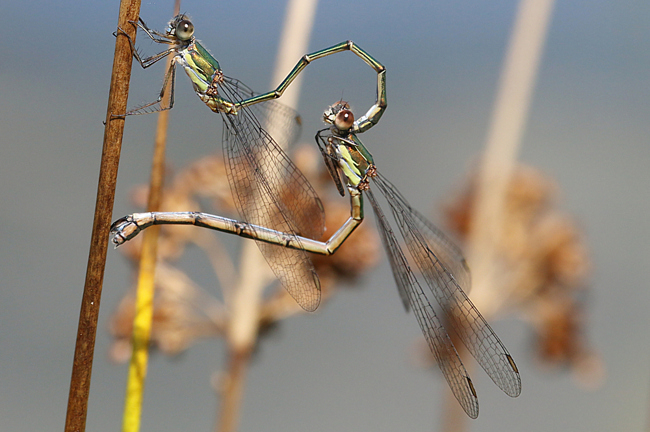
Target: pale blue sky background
[{"x": 346, "y": 367}]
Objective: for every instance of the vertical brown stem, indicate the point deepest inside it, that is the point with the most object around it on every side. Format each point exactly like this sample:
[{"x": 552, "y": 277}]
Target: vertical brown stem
[
  {"x": 232, "y": 390},
  {"x": 87, "y": 328}
]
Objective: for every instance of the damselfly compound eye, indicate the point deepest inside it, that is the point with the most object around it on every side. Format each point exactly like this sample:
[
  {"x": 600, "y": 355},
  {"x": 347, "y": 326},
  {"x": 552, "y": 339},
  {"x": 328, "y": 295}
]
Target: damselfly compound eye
[
  {"x": 184, "y": 29},
  {"x": 344, "y": 120}
]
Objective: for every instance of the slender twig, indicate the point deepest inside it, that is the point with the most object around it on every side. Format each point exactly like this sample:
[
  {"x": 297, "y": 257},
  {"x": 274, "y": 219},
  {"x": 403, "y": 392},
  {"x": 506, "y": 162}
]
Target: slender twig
[
  {"x": 222, "y": 264},
  {"x": 232, "y": 389},
  {"x": 246, "y": 299},
  {"x": 508, "y": 123},
  {"x": 294, "y": 42},
  {"x": 509, "y": 116},
  {"x": 142, "y": 319},
  {"x": 87, "y": 329}
]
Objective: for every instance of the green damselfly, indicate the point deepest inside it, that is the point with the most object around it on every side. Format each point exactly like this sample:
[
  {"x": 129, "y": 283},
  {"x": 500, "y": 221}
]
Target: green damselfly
[
  {"x": 440, "y": 262},
  {"x": 258, "y": 169}
]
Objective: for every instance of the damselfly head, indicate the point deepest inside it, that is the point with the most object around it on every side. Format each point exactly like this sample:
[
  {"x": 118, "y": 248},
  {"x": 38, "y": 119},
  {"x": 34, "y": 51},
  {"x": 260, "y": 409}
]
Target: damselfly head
[
  {"x": 181, "y": 28},
  {"x": 340, "y": 116}
]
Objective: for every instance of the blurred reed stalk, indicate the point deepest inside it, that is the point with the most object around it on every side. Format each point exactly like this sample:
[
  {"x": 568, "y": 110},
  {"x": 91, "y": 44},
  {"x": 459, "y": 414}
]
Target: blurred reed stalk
[
  {"x": 77, "y": 409},
  {"x": 142, "y": 319},
  {"x": 509, "y": 116},
  {"x": 243, "y": 326}
]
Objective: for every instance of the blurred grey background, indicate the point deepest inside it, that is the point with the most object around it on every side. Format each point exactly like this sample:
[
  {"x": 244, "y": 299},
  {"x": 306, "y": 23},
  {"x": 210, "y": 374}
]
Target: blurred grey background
[{"x": 349, "y": 366}]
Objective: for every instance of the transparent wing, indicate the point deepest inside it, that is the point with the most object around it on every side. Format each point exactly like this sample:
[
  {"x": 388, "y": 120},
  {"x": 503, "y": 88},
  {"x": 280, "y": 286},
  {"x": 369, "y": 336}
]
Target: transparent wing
[
  {"x": 447, "y": 252},
  {"x": 285, "y": 122},
  {"x": 462, "y": 315},
  {"x": 270, "y": 191},
  {"x": 439, "y": 342}
]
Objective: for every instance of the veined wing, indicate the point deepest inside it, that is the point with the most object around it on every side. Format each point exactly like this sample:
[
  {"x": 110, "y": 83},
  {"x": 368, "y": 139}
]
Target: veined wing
[
  {"x": 441, "y": 346},
  {"x": 444, "y": 249},
  {"x": 286, "y": 122},
  {"x": 301, "y": 202},
  {"x": 468, "y": 323},
  {"x": 270, "y": 191}
]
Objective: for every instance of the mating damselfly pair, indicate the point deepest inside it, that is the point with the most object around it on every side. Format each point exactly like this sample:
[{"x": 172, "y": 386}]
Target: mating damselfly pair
[{"x": 286, "y": 226}]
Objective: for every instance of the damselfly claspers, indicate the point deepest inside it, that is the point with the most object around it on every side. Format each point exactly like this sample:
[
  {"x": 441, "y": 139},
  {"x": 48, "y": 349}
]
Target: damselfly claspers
[
  {"x": 258, "y": 169},
  {"x": 439, "y": 261}
]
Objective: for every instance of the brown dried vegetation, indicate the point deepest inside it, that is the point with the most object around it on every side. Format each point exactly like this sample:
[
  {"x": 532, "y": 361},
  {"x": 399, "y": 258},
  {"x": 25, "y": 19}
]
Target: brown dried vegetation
[
  {"x": 547, "y": 267},
  {"x": 184, "y": 311}
]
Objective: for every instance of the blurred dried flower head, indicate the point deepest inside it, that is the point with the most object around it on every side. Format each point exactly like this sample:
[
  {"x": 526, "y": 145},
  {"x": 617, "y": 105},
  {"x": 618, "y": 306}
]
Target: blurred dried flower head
[
  {"x": 203, "y": 179},
  {"x": 183, "y": 311},
  {"x": 547, "y": 266}
]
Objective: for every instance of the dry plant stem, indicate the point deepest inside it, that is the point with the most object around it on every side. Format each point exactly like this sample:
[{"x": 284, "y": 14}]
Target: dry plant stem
[
  {"x": 294, "y": 43},
  {"x": 222, "y": 265},
  {"x": 255, "y": 274},
  {"x": 83, "y": 357},
  {"x": 142, "y": 319},
  {"x": 144, "y": 299},
  {"x": 508, "y": 123},
  {"x": 454, "y": 418},
  {"x": 232, "y": 389}
]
